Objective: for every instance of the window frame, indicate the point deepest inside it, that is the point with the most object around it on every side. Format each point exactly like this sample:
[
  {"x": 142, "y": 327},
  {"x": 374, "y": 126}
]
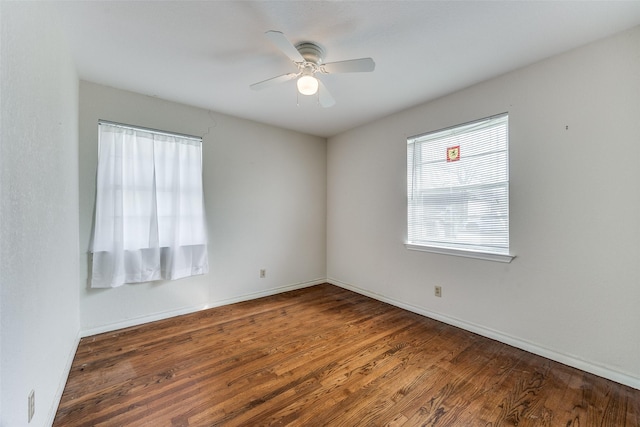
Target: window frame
[{"x": 446, "y": 249}]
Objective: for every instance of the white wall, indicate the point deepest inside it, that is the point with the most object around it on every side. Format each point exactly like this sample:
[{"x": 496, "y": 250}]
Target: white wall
[
  {"x": 573, "y": 292},
  {"x": 265, "y": 195},
  {"x": 39, "y": 305}
]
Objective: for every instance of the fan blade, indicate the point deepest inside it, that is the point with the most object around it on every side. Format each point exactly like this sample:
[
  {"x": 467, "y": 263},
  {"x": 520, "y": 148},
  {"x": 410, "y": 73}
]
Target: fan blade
[
  {"x": 324, "y": 97},
  {"x": 282, "y": 43},
  {"x": 361, "y": 65},
  {"x": 273, "y": 81}
]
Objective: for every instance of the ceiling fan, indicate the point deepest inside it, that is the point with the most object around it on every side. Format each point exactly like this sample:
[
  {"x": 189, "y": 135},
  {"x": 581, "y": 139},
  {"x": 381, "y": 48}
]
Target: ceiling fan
[{"x": 308, "y": 56}]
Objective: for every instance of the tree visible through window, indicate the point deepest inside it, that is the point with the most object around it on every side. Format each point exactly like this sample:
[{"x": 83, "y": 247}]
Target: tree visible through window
[
  {"x": 458, "y": 188},
  {"x": 149, "y": 218}
]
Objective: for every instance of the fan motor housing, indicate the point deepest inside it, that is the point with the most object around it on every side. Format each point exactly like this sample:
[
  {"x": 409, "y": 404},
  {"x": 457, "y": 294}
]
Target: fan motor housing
[{"x": 311, "y": 52}]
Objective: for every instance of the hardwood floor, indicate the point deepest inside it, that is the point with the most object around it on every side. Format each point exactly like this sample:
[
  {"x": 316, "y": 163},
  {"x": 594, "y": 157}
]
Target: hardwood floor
[{"x": 325, "y": 356}]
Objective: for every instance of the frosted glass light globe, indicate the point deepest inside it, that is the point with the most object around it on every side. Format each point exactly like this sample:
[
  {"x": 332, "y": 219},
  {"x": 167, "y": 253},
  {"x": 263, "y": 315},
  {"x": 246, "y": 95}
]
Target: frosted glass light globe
[{"x": 307, "y": 85}]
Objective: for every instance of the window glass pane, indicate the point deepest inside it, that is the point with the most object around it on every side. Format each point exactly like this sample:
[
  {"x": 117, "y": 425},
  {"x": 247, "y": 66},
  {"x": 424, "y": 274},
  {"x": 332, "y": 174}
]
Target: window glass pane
[{"x": 458, "y": 187}]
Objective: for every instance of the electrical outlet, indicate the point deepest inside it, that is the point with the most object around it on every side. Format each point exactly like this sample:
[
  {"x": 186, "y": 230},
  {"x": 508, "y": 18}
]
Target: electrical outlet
[
  {"x": 263, "y": 273},
  {"x": 438, "y": 291},
  {"x": 31, "y": 404}
]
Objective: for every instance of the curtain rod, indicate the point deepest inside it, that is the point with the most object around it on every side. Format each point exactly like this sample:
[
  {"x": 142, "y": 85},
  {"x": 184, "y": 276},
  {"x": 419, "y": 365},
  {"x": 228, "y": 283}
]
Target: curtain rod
[{"x": 144, "y": 129}]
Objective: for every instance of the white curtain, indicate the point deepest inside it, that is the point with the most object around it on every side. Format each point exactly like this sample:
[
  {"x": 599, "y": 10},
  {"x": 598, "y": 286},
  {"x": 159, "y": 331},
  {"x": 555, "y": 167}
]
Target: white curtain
[{"x": 150, "y": 222}]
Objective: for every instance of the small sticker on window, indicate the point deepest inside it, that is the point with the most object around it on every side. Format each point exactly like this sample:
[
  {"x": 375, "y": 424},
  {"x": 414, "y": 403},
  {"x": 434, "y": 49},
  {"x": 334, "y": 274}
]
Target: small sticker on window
[{"x": 453, "y": 154}]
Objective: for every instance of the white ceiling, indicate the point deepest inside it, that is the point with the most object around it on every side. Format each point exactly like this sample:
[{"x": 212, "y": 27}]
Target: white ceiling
[{"x": 207, "y": 53}]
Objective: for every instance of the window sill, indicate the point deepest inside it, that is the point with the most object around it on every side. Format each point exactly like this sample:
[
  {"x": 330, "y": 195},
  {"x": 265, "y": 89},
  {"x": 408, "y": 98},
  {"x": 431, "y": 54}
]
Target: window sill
[{"x": 461, "y": 253}]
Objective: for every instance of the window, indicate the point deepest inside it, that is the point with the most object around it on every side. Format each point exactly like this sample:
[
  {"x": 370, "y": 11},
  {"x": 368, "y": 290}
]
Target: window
[
  {"x": 458, "y": 190},
  {"x": 149, "y": 216}
]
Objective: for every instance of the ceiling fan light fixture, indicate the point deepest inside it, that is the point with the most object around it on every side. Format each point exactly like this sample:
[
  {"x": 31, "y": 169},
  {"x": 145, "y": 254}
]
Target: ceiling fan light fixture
[
  {"x": 307, "y": 85},
  {"x": 308, "y": 58}
]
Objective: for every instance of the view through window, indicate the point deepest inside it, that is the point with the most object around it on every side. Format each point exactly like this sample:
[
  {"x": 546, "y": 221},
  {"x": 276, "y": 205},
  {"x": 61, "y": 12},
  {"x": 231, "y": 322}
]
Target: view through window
[{"x": 458, "y": 188}]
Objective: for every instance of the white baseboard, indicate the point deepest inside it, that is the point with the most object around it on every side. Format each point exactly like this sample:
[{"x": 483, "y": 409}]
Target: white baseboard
[
  {"x": 63, "y": 382},
  {"x": 599, "y": 370},
  {"x": 269, "y": 292},
  {"x": 188, "y": 310},
  {"x": 135, "y": 321}
]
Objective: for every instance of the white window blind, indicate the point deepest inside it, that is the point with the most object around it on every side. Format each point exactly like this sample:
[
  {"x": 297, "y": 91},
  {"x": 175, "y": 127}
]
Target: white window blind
[
  {"x": 458, "y": 188},
  {"x": 149, "y": 216}
]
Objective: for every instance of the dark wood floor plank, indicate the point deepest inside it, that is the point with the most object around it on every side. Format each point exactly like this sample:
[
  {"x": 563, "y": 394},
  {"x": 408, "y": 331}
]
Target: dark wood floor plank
[
  {"x": 337, "y": 348},
  {"x": 334, "y": 379},
  {"x": 325, "y": 356},
  {"x": 383, "y": 389}
]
